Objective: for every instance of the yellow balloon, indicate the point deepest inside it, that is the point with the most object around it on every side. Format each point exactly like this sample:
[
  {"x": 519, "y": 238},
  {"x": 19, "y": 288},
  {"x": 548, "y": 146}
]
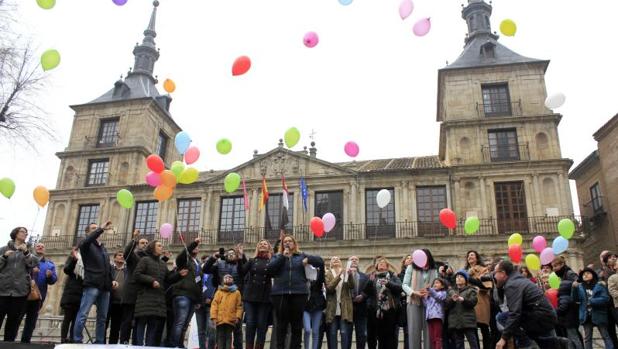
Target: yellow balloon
[
  {"x": 516, "y": 239},
  {"x": 41, "y": 195},
  {"x": 169, "y": 86},
  {"x": 533, "y": 262},
  {"x": 508, "y": 27}
]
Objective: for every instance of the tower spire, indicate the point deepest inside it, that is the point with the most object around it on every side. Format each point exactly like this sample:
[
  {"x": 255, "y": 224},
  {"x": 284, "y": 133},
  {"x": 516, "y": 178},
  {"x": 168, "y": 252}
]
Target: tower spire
[
  {"x": 477, "y": 15},
  {"x": 147, "y": 54}
]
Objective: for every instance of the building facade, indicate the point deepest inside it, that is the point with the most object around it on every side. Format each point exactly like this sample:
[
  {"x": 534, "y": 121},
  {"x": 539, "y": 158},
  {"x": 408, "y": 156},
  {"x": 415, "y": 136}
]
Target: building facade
[{"x": 499, "y": 159}]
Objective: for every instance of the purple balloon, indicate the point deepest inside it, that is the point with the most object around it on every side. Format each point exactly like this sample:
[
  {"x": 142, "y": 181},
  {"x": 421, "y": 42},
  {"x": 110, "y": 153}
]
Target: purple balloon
[
  {"x": 419, "y": 258},
  {"x": 422, "y": 27},
  {"x": 547, "y": 256},
  {"x": 119, "y": 2},
  {"x": 166, "y": 231},
  {"x": 329, "y": 222}
]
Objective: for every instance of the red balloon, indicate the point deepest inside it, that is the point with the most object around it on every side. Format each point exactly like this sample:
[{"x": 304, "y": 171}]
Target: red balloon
[
  {"x": 515, "y": 253},
  {"x": 552, "y": 297},
  {"x": 317, "y": 226},
  {"x": 155, "y": 163},
  {"x": 241, "y": 65},
  {"x": 448, "y": 218}
]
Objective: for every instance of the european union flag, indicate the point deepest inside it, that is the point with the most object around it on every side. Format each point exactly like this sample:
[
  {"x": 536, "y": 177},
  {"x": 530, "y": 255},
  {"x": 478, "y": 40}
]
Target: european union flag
[{"x": 304, "y": 192}]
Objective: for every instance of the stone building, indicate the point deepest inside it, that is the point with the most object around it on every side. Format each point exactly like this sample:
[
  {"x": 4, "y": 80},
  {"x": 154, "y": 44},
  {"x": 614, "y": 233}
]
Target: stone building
[
  {"x": 499, "y": 159},
  {"x": 597, "y": 190}
]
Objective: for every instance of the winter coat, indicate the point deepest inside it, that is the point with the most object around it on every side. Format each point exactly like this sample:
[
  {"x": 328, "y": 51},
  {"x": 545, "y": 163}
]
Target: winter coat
[
  {"x": 568, "y": 310},
  {"x": 391, "y": 293},
  {"x": 191, "y": 284},
  {"x": 226, "y": 308},
  {"x": 483, "y": 306},
  {"x": 613, "y": 288},
  {"x": 599, "y": 303},
  {"x": 363, "y": 288},
  {"x": 434, "y": 304},
  {"x": 346, "y": 296},
  {"x": 97, "y": 269},
  {"x": 258, "y": 282},
  {"x": 221, "y": 267},
  {"x": 208, "y": 289},
  {"x": 566, "y": 273},
  {"x": 41, "y": 277},
  {"x": 131, "y": 258},
  {"x": 120, "y": 276},
  {"x": 461, "y": 315},
  {"x": 289, "y": 273},
  {"x": 72, "y": 293},
  {"x": 15, "y": 271},
  {"x": 317, "y": 300},
  {"x": 150, "y": 300}
]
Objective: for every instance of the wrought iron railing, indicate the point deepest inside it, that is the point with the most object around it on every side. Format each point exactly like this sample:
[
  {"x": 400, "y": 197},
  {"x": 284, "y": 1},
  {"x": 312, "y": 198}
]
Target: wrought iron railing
[
  {"x": 507, "y": 152},
  {"x": 499, "y": 109}
]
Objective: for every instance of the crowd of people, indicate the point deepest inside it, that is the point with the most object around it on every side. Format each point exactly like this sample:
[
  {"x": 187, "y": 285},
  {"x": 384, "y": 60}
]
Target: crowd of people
[{"x": 141, "y": 300}]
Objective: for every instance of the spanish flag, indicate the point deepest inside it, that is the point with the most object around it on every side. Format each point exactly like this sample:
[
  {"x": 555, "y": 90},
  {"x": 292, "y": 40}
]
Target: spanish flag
[{"x": 264, "y": 194}]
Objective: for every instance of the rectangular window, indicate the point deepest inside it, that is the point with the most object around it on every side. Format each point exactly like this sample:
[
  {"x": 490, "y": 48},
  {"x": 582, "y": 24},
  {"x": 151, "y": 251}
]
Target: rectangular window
[
  {"x": 429, "y": 201},
  {"x": 146, "y": 217},
  {"x": 511, "y": 207},
  {"x": 232, "y": 219},
  {"x": 596, "y": 198},
  {"x": 332, "y": 202},
  {"x": 496, "y": 100},
  {"x": 87, "y": 214},
  {"x": 503, "y": 145},
  {"x": 188, "y": 215},
  {"x": 97, "y": 172},
  {"x": 380, "y": 222},
  {"x": 161, "y": 148},
  {"x": 274, "y": 206},
  {"x": 108, "y": 133}
]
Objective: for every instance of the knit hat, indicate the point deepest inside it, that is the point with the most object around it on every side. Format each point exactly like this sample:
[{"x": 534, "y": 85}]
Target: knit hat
[
  {"x": 595, "y": 276},
  {"x": 463, "y": 273}
]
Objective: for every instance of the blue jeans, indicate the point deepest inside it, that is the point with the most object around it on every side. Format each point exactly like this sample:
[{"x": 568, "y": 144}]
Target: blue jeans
[
  {"x": 205, "y": 327},
  {"x": 256, "y": 317},
  {"x": 342, "y": 326},
  {"x": 183, "y": 307},
  {"x": 149, "y": 327},
  {"x": 604, "y": 334},
  {"x": 92, "y": 296},
  {"x": 311, "y": 323}
]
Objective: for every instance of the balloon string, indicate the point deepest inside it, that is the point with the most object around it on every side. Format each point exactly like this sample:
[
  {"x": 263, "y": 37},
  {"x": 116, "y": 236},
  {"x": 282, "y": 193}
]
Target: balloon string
[{"x": 35, "y": 218}]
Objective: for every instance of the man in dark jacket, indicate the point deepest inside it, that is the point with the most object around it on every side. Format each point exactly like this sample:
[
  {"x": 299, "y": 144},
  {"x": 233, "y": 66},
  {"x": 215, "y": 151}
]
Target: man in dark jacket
[
  {"x": 363, "y": 289},
  {"x": 186, "y": 293},
  {"x": 97, "y": 282},
  {"x": 133, "y": 252}
]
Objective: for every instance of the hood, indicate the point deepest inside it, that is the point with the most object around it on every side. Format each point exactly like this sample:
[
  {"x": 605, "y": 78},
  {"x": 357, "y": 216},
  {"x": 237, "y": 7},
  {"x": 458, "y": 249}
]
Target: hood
[{"x": 232, "y": 288}]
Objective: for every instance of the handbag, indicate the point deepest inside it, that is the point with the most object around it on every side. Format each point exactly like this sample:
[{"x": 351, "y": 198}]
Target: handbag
[{"x": 35, "y": 294}]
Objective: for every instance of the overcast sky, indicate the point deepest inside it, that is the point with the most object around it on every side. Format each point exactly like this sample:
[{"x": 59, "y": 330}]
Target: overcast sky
[{"x": 369, "y": 79}]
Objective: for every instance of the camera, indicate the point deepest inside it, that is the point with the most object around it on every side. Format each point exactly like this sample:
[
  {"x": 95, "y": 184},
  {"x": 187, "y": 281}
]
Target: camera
[{"x": 221, "y": 253}]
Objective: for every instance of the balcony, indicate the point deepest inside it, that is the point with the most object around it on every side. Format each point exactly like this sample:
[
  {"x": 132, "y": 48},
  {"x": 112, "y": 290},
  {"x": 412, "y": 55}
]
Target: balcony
[
  {"x": 503, "y": 153},
  {"x": 498, "y": 109}
]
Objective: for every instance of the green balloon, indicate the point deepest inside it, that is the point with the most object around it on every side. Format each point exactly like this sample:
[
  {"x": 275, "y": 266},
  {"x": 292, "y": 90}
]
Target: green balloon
[
  {"x": 177, "y": 168},
  {"x": 554, "y": 281},
  {"x": 566, "y": 228},
  {"x": 7, "y": 187},
  {"x": 125, "y": 198},
  {"x": 472, "y": 225},
  {"x": 224, "y": 146},
  {"x": 50, "y": 59},
  {"x": 232, "y": 182},
  {"x": 46, "y": 4},
  {"x": 291, "y": 137},
  {"x": 189, "y": 175}
]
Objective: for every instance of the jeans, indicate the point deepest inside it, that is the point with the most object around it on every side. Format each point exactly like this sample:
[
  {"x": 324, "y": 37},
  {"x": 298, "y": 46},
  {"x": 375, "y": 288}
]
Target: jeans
[
  {"x": 68, "y": 322},
  {"x": 127, "y": 325},
  {"x": 588, "y": 336},
  {"x": 114, "y": 319},
  {"x": 574, "y": 336},
  {"x": 360, "y": 329},
  {"x": 312, "y": 322},
  {"x": 31, "y": 311},
  {"x": 183, "y": 307},
  {"x": 470, "y": 334},
  {"x": 148, "y": 327},
  {"x": 11, "y": 307},
  {"x": 289, "y": 309},
  {"x": 224, "y": 336},
  {"x": 92, "y": 296},
  {"x": 343, "y": 326},
  {"x": 206, "y": 330},
  {"x": 256, "y": 317}
]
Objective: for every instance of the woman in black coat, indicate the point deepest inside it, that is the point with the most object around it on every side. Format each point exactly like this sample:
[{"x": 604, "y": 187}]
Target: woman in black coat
[{"x": 71, "y": 297}]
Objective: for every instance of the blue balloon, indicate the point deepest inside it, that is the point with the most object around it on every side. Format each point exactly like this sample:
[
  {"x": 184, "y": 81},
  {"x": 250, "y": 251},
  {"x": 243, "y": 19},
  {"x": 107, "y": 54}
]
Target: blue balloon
[
  {"x": 183, "y": 140},
  {"x": 560, "y": 245},
  {"x": 345, "y": 2}
]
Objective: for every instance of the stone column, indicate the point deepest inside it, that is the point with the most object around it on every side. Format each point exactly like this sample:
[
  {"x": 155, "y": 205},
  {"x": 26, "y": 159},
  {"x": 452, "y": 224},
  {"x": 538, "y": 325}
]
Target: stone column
[
  {"x": 529, "y": 205},
  {"x": 353, "y": 203},
  {"x": 484, "y": 203},
  {"x": 564, "y": 195},
  {"x": 65, "y": 220},
  {"x": 207, "y": 213},
  {"x": 536, "y": 194},
  {"x": 413, "y": 211},
  {"x": 457, "y": 201}
]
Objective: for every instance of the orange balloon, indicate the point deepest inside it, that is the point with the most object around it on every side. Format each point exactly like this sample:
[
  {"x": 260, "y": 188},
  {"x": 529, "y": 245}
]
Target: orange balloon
[
  {"x": 169, "y": 86},
  {"x": 41, "y": 195},
  {"x": 168, "y": 179},
  {"x": 163, "y": 193}
]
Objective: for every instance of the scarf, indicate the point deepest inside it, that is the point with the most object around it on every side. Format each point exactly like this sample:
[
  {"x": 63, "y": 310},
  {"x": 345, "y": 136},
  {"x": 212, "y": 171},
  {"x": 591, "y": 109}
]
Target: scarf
[
  {"x": 338, "y": 291},
  {"x": 385, "y": 298}
]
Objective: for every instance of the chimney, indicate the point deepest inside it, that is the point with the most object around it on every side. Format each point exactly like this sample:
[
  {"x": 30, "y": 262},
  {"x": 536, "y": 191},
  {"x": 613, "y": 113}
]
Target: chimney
[
  {"x": 313, "y": 150},
  {"x": 255, "y": 154}
]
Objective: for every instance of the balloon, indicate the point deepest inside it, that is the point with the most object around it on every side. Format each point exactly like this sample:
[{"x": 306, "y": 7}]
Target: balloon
[
  {"x": 291, "y": 137},
  {"x": 351, "y": 149},
  {"x": 168, "y": 179},
  {"x": 554, "y": 281},
  {"x": 383, "y": 198},
  {"x": 539, "y": 243},
  {"x": 317, "y": 226},
  {"x": 124, "y": 198},
  {"x": 448, "y": 218},
  {"x": 329, "y": 222},
  {"x": 7, "y": 187},
  {"x": 547, "y": 255},
  {"x": 419, "y": 257},
  {"x": 345, "y": 2},
  {"x": 50, "y": 59},
  {"x": 515, "y": 253},
  {"x": 192, "y": 154},
  {"x": 552, "y": 297},
  {"x": 472, "y": 225},
  {"x": 162, "y": 193},
  {"x": 533, "y": 262},
  {"x": 188, "y": 175},
  {"x": 41, "y": 195},
  {"x": 169, "y": 86},
  {"x": 405, "y": 8},
  {"x": 119, "y": 2},
  {"x": 515, "y": 239},
  {"x": 177, "y": 167},
  {"x": 183, "y": 140},
  {"x": 155, "y": 163},
  {"x": 566, "y": 228},
  {"x": 231, "y": 182},
  {"x": 153, "y": 179},
  {"x": 224, "y": 146},
  {"x": 166, "y": 231},
  {"x": 555, "y": 101},
  {"x": 46, "y": 4},
  {"x": 560, "y": 245},
  {"x": 508, "y": 27},
  {"x": 241, "y": 65},
  {"x": 311, "y": 39},
  {"x": 422, "y": 27}
]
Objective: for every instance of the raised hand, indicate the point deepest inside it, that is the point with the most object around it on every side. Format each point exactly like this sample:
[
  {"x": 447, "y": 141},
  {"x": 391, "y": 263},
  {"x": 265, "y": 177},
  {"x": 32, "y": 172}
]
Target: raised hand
[{"x": 155, "y": 284}]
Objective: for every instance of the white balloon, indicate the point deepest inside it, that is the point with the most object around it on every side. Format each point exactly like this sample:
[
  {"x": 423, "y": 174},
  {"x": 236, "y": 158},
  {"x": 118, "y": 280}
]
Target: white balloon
[
  {"x": 555, "y": 101},
  {"x": 383, "y": 198}
]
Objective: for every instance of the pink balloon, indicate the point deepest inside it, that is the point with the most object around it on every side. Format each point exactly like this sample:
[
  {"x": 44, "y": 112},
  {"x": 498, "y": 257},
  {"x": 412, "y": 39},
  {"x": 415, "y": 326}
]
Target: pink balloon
[
  {"x": 539, "y": 243},
  {"x": 311, "y": 39},
  {"x": 547, "y": 255},
  {"x": 153, "y": 179},
  {"x": 192, "y": 154},
  {"x": 166, "y": 231},
  {"x": 405, "y": 8},
  {"x": 419, "y": 258},
  {"x": 351, "y": 149},
  {"x": 329, "y": 222},
  {"x": 422, "y": 27}
]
